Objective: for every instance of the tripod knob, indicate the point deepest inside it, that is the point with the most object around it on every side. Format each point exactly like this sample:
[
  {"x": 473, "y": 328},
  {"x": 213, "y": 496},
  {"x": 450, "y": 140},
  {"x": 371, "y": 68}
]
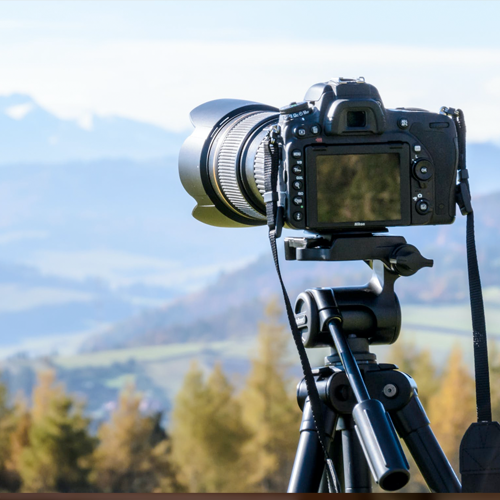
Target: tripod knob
[{"x": 407, "y": 260}]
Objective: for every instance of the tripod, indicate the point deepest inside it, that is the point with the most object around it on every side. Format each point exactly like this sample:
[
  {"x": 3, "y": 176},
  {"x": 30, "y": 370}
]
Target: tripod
[{"x": 364, "y": 403}]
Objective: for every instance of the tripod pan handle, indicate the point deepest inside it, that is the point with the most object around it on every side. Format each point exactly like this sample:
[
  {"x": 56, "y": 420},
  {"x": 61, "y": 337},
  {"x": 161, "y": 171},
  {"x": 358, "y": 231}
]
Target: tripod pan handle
[{"x": 380, "y": 444}]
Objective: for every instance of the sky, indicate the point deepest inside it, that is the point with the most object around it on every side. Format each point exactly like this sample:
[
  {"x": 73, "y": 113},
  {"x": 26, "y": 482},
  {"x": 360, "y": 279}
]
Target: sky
[{"x": 154, "y": 61}]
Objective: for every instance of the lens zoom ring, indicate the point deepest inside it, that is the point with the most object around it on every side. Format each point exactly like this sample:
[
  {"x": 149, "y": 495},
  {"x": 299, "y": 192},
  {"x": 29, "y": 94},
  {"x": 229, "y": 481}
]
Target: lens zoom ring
[{"x": 227, "y": 163}]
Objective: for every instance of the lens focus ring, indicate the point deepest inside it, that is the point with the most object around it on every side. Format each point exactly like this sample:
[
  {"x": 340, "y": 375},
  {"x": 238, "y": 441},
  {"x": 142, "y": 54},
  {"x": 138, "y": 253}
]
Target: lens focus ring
[{"x": 228, "y": 158}]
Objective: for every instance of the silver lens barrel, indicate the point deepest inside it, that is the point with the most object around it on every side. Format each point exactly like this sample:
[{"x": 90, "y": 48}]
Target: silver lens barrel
[{"x": 227, "y": 169}]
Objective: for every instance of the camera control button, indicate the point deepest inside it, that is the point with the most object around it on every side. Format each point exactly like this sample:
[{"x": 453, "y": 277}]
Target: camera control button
[
  {"x": 315, "y": 130},
  {"x": 403, "y": 123},
  {"x": 297, "y": 185},
  {"x": 301, "y": 132},
  {"x": 298, "y": 216},
  {"x": 422, "y": 169},
  {"x": 423, "y": 206},
  {"x": 297, "y": 153},
  {"x": 298, "y": 200},
  {"x": 297, "y": 169}
]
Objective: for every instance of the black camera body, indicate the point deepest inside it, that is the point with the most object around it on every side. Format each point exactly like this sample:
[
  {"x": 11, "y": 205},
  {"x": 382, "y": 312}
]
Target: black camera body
[
  {"x": 346, "y": 163},
  {"x": 351, "y": 164}
]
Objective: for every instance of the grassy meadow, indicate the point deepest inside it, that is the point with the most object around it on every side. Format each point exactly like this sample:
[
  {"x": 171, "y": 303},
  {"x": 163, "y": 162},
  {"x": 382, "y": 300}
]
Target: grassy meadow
[{"x": 158, "y": 371}]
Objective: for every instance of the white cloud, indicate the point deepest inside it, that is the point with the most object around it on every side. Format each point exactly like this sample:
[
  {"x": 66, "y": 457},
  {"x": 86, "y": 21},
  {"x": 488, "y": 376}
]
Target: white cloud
[
  {"x": 161, "y": 81},
  {"x": 86, "y": 121},
  {"x": 19, "y": 111},
  {"x": 15, "y": 298},
  {"x": 123, "y": 268},
  {"x": 13, "y": 236}
]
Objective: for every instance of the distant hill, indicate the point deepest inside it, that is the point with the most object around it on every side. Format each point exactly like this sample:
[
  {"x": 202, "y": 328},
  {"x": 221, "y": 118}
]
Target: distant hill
[
  {"x": 121, "y": 221},
  {"x": 41, "y": 314},
  {"x": 29, "y": 133},
  {"x": 233, "y": 305},
  {"x": 100, "y": 201}
]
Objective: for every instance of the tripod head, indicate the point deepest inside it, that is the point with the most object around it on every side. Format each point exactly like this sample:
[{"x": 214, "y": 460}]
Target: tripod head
[
  {"x": 371, "y": 311},
  {"x": 343, "y": 317}
]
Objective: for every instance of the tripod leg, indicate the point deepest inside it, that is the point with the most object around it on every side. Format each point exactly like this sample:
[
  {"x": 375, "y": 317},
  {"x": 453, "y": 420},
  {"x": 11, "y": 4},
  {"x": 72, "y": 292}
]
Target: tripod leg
[
  {"x": 357, "y": 474},
  {"x": 412, "y": 425},
  {"x": 309, "y": 460}
]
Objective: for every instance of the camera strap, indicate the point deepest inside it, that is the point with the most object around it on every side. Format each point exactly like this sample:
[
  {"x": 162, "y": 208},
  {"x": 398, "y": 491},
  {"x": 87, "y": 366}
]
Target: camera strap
[
  {"x": 481, "y": 368},
  {"x": 274, "y": 211},
  {"x": 480, "y": 446}
]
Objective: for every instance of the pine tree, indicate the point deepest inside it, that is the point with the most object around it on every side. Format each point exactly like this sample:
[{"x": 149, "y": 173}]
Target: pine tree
[
  {"x": 189, "y": 418},
  {"x": 225, "y": 435},
  {"x": 134, "y": 453},
  {"x": 270, "y": 409},
  {"x": 452, "y": 408},
  {"x": 9, "y": 479},
  {"x": 208, "y": 434},
  {"x": 56, "y": 458}
]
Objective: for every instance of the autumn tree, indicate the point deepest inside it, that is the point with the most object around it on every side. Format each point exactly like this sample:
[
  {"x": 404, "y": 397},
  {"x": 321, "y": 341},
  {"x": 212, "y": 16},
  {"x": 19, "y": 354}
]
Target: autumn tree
[
  {"x": 9, "y": 419},
  {"x": 15, "y": 438},
  {"x": 417, "y": 363},
  {"x": 270, "y": 409},
  {"x": 208, "y": 434},
  {"x": 59, "y": 444},
  {"x": 452, "y": 408},
  {"x": 133, "y": 453},
  {"x": 494, "y": 365}
]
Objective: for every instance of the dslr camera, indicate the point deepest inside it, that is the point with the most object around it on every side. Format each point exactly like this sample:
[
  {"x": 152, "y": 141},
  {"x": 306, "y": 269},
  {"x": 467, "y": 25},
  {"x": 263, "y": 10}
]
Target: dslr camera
[{"x": 346, "y": 163}]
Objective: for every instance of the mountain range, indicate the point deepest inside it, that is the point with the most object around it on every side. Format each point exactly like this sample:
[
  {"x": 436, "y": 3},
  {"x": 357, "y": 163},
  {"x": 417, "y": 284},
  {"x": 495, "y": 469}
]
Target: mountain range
[
  {"x": 235, "y": 303},
  {"x": 96, "y": 229},
  {"x": 107, "y": 278}
]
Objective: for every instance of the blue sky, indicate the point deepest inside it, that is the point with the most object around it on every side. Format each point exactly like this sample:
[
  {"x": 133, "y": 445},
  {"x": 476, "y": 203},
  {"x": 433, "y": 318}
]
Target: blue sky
[
  {"x": 422, "y": 23},
  {"x": 155, "y": 61}
]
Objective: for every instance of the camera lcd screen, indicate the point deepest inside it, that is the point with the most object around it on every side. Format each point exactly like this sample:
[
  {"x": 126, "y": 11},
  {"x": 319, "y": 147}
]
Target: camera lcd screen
[{"x": 358, "y": 187}]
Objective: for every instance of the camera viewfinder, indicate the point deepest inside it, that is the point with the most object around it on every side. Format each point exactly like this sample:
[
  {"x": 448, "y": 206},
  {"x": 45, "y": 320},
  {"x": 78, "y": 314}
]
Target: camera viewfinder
[{"x": 356, "y": 119}]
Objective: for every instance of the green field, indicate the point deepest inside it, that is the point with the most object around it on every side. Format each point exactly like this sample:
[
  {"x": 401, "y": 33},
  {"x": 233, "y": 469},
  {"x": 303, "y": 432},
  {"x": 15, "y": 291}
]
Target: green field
[
  {"x": 436, "y": 327},
  {"x": 151, "y": 353},
  {"x": 158, "y": 371}
]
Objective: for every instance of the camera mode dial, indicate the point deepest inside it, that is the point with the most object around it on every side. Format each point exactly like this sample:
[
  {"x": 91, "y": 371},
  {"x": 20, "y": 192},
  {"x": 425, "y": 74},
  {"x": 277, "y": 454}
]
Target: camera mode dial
[
  {"x": 295, "y": 110},
  {"x": 422, "y": 169},
  {"x": 294, "y": 107}
]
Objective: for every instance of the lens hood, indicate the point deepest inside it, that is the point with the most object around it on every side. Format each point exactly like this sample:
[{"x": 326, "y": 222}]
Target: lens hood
[{"x": 209, "y": 119}]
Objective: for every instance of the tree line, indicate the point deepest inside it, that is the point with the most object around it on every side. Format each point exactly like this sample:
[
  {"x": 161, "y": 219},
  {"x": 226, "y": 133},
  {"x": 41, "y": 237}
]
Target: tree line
[{"x": 219, "y": 439}]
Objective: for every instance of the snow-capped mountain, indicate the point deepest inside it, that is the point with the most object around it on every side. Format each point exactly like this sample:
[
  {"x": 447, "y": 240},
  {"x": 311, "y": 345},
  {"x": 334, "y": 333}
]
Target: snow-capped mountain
[{"x": 31, "y": 134}]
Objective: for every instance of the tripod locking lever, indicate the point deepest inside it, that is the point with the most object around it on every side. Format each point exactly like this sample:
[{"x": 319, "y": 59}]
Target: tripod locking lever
[
  {"x": 373, "y": 425},
  {"x": 407, "y": 260}
]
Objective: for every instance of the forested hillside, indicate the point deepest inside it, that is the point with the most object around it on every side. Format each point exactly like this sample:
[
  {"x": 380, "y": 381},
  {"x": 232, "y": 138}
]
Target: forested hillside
[
  {"x": 225, "y": 435},
  {"x": 233, "y": 305}
]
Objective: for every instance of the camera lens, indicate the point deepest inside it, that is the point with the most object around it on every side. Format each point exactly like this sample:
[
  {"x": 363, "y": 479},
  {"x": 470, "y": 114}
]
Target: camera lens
[{"x": 221, "y": 164}]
